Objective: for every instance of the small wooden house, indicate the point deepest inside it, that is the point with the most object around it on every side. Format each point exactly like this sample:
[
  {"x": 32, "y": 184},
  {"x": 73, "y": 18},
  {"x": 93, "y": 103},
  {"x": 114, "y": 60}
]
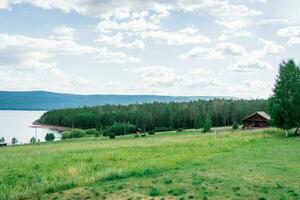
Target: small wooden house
[{"x": 256, "y": 120}]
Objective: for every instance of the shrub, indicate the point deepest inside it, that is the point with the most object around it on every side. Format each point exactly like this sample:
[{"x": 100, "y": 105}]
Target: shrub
[
  {"x": 151, "y": 132},
  {"x": 49, "y": 137},
  {"x": 179, "y": 130},
  {"x": 177, "y": 191},
  {"x": 33, "y": 140},
  {"x": 78, "y": 133},
  {"x": 235, "y": 125},
  {"x": 119, "y": 129},
  {"x": 92, "y": 131},
  {"x": 168, "y": 181},
  {"x": 143, "y": 135},
  {"x": 75, "y": 133},
  {"x": 154, "y": 192},
  {"x": 66, "y": 135},
  {"x": 112, "y": 136},
  {"x": 163, "y": 129}
]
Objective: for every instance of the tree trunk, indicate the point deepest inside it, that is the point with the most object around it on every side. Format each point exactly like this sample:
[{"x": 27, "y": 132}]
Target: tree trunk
[{"x": 286, "y": 133}]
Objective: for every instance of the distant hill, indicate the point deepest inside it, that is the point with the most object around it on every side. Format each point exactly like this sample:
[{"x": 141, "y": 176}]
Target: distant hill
[{"x": 42, "y": 100}]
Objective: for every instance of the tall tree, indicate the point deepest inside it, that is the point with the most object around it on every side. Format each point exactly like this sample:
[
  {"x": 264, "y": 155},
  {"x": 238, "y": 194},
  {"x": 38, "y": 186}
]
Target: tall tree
[
  {"x": 284, "y": 105},
  {"x": 207, "y": 124}
]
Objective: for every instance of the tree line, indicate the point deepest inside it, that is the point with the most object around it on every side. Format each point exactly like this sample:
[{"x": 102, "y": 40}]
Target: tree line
[{"x": 156, "y": 116}]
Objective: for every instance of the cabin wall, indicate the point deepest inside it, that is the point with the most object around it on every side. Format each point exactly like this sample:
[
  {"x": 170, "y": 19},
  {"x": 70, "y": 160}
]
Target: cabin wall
[{"x": 255, "y": 121}]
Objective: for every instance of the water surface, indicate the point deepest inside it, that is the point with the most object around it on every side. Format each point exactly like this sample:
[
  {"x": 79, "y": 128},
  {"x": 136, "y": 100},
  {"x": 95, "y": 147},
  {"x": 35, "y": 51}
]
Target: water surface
[{"x": 16, "y": 124}]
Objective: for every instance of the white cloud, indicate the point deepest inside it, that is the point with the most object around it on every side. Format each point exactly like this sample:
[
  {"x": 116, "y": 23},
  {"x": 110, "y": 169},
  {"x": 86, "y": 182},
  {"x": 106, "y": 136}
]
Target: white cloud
[
  {"x": 220, "y": 51},
  {"x": 176, "y": 38},
  {"x": 230, "y": 49},
  {"x": 199, "y": 78},
  {"x": 203, "y": 53},
  {"x": 64, "y": 33},
  {"x": 135, "y": 25},
  {"x": 40, "y": 49},
  {"x": 236, "y": 19},
  {"x": 292, "y": 33},
  {"x": 249, "y": 65},
  {"x": 101, "y": 9},
  {"x": 248, "y": 87},
  {"x": 253, "y": 61},
  {"x": 273, "y": 22},
  {"x": 157, "y": 76},
  {"x": 271, "y": 47},
  {"x": 118, "y": 40}
]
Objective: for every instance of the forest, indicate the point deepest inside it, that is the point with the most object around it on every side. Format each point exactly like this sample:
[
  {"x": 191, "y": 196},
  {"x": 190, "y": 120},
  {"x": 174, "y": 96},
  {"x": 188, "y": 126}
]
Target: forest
[{"x": 156, "y": 116}]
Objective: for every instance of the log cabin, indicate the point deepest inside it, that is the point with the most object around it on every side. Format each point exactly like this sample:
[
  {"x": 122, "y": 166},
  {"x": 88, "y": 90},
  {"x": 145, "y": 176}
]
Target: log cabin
[{"x": 256, "y": 120}]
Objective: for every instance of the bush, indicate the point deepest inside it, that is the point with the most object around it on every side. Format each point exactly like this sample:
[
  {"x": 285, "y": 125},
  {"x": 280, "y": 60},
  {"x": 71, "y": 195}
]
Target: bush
[
  {"x": 75, "y": 133},
  {"x": 151, "y": 132},
  {"x": 179, "y": 130},
  {"x": 66, "y": 135},
  {"x": 78, "y": 133},
  {"x": 119, "y": 129},
  {"x": 49, "y": 137},
  {"x": 163, "y": 129},
  {"x": 143, "y": 135},
  {"x": 154, "y": 192},
  {"x": 235, "y": 125},
  {"x": 112, "y": 136},
  {"x": 92, "y": 131},
  {"x": 33, "y": 140}
]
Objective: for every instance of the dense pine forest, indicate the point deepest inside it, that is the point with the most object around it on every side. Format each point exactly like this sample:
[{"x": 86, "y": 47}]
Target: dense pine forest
[{"x": 152, "y": 116}]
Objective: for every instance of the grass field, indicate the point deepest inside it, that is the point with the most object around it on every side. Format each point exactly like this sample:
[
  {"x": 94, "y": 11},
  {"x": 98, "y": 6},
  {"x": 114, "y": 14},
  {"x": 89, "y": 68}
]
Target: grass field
[{"x": 186, "y": 165}]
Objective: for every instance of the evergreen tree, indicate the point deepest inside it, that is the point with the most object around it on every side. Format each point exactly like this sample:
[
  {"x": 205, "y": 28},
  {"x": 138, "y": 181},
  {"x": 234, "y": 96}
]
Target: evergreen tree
[
  {"x": 33, "y": 140},
  {"x": 2, "y": 139},
  {"x": 284, "y": 105},
  {"x": 198, "y": 122},
  {"x": 207, "y": 124}
]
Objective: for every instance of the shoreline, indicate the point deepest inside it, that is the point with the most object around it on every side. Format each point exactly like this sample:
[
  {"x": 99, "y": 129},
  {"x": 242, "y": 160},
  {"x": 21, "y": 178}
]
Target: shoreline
[{"x": 51, "y": 127}]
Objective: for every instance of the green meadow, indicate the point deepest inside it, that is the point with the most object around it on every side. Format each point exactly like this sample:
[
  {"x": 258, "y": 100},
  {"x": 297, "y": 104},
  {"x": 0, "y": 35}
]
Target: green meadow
[{"x": 223, "y": 164}]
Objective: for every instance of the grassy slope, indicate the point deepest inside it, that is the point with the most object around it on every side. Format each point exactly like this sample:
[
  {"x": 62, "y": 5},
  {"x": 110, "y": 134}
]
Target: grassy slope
[{"x": 241, "y": 165}]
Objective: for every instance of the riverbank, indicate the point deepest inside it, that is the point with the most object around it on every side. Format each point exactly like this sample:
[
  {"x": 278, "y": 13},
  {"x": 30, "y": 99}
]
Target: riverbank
[{"x": 51, "y": 127}]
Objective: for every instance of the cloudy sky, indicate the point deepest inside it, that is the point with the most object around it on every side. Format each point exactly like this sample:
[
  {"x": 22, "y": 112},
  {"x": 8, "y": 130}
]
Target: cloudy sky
[{"x": 171, "y": 47}]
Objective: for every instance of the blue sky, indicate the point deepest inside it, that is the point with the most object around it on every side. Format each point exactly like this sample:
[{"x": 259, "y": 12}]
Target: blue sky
[{"x": 178, "y": 47}]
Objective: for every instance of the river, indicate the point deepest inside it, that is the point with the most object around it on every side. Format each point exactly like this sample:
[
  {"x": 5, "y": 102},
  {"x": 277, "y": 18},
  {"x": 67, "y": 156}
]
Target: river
[{"x": 16, "y": 124}]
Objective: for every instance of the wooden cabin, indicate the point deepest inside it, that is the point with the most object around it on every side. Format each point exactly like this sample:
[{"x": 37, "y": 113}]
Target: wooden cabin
[{"x": 256, "y": 120}]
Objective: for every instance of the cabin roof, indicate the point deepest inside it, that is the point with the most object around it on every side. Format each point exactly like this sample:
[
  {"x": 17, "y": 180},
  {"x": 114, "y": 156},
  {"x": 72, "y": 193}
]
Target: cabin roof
[{"x": 260, "y": 113}]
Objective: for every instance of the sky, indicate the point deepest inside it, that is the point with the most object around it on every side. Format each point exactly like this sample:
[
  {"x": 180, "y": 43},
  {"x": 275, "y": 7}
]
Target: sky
[{"x": 162, "y": 47}]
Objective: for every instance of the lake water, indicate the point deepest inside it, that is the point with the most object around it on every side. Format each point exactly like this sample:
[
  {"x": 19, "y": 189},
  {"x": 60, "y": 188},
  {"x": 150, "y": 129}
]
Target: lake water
[{"x": 16, "y": 124}]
